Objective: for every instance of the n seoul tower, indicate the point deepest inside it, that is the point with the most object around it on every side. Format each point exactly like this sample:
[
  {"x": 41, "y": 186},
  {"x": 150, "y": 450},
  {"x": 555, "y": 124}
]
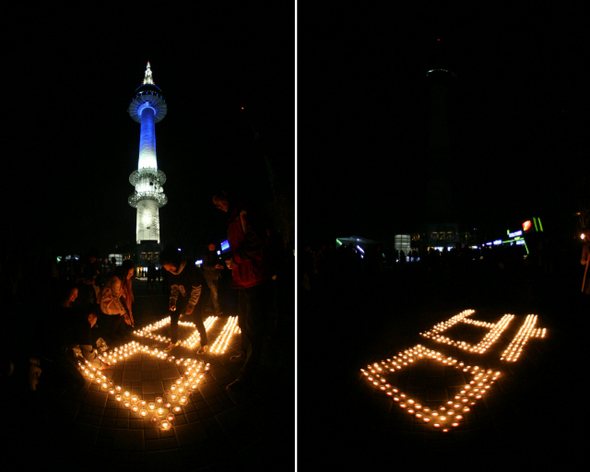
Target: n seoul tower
[{"x": 148, "y": 107}]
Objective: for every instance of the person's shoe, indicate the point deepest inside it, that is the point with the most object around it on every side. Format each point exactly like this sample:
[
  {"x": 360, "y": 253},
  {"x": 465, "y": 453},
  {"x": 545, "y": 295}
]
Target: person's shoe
[
  {"x": 171, "y": 346},
  {"x": 203, "y": 349},
  {"x": 237, "y": 386},
  {"x": 237, "y": 358}
]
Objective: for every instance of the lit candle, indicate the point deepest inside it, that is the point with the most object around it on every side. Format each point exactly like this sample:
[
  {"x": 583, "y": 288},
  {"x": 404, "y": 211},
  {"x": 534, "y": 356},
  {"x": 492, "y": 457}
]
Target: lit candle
[{"x": 143, "y": 412}]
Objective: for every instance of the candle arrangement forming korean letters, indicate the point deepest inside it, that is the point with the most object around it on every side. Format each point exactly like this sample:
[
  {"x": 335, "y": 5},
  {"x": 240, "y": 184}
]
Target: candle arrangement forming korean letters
[
  {"x": 496, "y": 330},
  {"x": 230, "y": 328},
  {"x": 190, "y": 342},
  {"x": 450, "y": 415},
  {"x": 160, "y": 413},
  {"x": 446, "y": 416},
  {"x": 218, "y": 347},
  {"x": 527, "y": 331}
]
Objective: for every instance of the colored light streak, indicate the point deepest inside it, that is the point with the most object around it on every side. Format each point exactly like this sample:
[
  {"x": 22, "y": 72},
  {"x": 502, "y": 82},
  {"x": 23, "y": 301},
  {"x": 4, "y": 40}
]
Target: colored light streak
[{"x": 443, "y": 417}]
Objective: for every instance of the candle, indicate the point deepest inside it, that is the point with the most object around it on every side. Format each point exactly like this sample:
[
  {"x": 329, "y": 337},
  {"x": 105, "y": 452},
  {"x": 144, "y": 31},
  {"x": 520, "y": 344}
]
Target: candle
[{"x": 143, "y": 412}]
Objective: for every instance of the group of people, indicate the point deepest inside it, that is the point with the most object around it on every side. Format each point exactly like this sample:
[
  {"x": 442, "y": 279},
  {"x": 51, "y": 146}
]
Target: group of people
[
  {"x": 254, "y": 260},
  {"x": 94, "y": 309}
]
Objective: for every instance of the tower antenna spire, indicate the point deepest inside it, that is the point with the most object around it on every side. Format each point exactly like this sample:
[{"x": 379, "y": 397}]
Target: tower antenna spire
[{"x": 148, "y": 79}]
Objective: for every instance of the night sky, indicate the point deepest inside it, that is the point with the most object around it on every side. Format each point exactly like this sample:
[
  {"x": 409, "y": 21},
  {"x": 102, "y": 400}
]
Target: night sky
[
  {"x": 517, "y": 117},
  {"x": 69, "y": 144}
]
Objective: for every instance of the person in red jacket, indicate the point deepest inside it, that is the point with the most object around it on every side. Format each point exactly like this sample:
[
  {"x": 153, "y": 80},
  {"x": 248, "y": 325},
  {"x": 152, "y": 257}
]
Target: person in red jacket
[{"x": 252, "y": 268}]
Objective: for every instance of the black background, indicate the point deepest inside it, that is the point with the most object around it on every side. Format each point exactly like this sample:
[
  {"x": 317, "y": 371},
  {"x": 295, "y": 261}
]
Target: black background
[{"x": 69, "y": 144}]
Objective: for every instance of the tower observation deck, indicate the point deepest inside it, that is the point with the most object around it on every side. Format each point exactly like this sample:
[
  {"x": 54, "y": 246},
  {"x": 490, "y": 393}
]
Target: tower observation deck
[{"x": 148, "y": 107}]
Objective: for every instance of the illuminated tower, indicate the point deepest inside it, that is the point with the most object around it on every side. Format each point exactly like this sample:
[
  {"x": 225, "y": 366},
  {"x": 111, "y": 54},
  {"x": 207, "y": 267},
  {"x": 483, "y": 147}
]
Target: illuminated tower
[{"x": 148, "y": 107}]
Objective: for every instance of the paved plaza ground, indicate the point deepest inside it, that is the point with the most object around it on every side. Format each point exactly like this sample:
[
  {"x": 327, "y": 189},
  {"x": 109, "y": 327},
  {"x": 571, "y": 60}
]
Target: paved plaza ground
[
  {"x": 88, "y": 429},
  {"x": 531, "y": 412}
]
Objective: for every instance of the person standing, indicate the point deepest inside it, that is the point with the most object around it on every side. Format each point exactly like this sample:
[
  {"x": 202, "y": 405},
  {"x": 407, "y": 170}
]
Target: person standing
[
  {"x": 187, "y": 295},
  {"x": 252, "y": 269},
  {"x": 212, "y": 268}
]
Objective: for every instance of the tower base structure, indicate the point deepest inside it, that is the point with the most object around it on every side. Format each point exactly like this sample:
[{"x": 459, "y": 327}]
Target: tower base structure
[{"x": 148, "y": 221}]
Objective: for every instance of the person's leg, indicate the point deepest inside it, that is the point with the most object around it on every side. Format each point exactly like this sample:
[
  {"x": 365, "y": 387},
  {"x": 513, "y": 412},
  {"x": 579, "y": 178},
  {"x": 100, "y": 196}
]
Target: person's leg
[
  {"x": 198, "y": 316},
  {"x": 255, "y": 303},
  {"x": 174, "y": 316},
  {"x": 243, "y": 308},
  {"x": 116, "y": 330},
  {"x": 214, "y": 290}
]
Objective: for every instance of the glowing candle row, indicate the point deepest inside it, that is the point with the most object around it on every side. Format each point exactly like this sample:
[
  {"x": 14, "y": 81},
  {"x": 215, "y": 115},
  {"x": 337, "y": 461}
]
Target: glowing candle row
[
  {"x": 230, "y": 328},
  {"x": 159, "y": 413},
  {"x": 490, "y": 338},
  {"x": 190, "y": 342},
  {"x": 194, "y": 338},
  {"x": 130, "y": 349},
  {"x": 446, "y": 416},
  {"x": 526, "y": 331},
  {"x": 444, "y": 325},
  {"x": 152, "y": 327}
]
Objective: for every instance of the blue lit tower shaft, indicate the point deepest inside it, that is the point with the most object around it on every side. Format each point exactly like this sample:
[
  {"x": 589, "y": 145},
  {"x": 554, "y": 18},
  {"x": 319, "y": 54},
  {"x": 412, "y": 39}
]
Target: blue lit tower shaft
[{"x": 148, "y": 107}]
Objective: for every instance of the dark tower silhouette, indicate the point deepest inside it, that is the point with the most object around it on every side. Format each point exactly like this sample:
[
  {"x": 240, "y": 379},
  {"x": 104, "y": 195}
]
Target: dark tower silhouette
[{"x": 440, "y": 161}]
